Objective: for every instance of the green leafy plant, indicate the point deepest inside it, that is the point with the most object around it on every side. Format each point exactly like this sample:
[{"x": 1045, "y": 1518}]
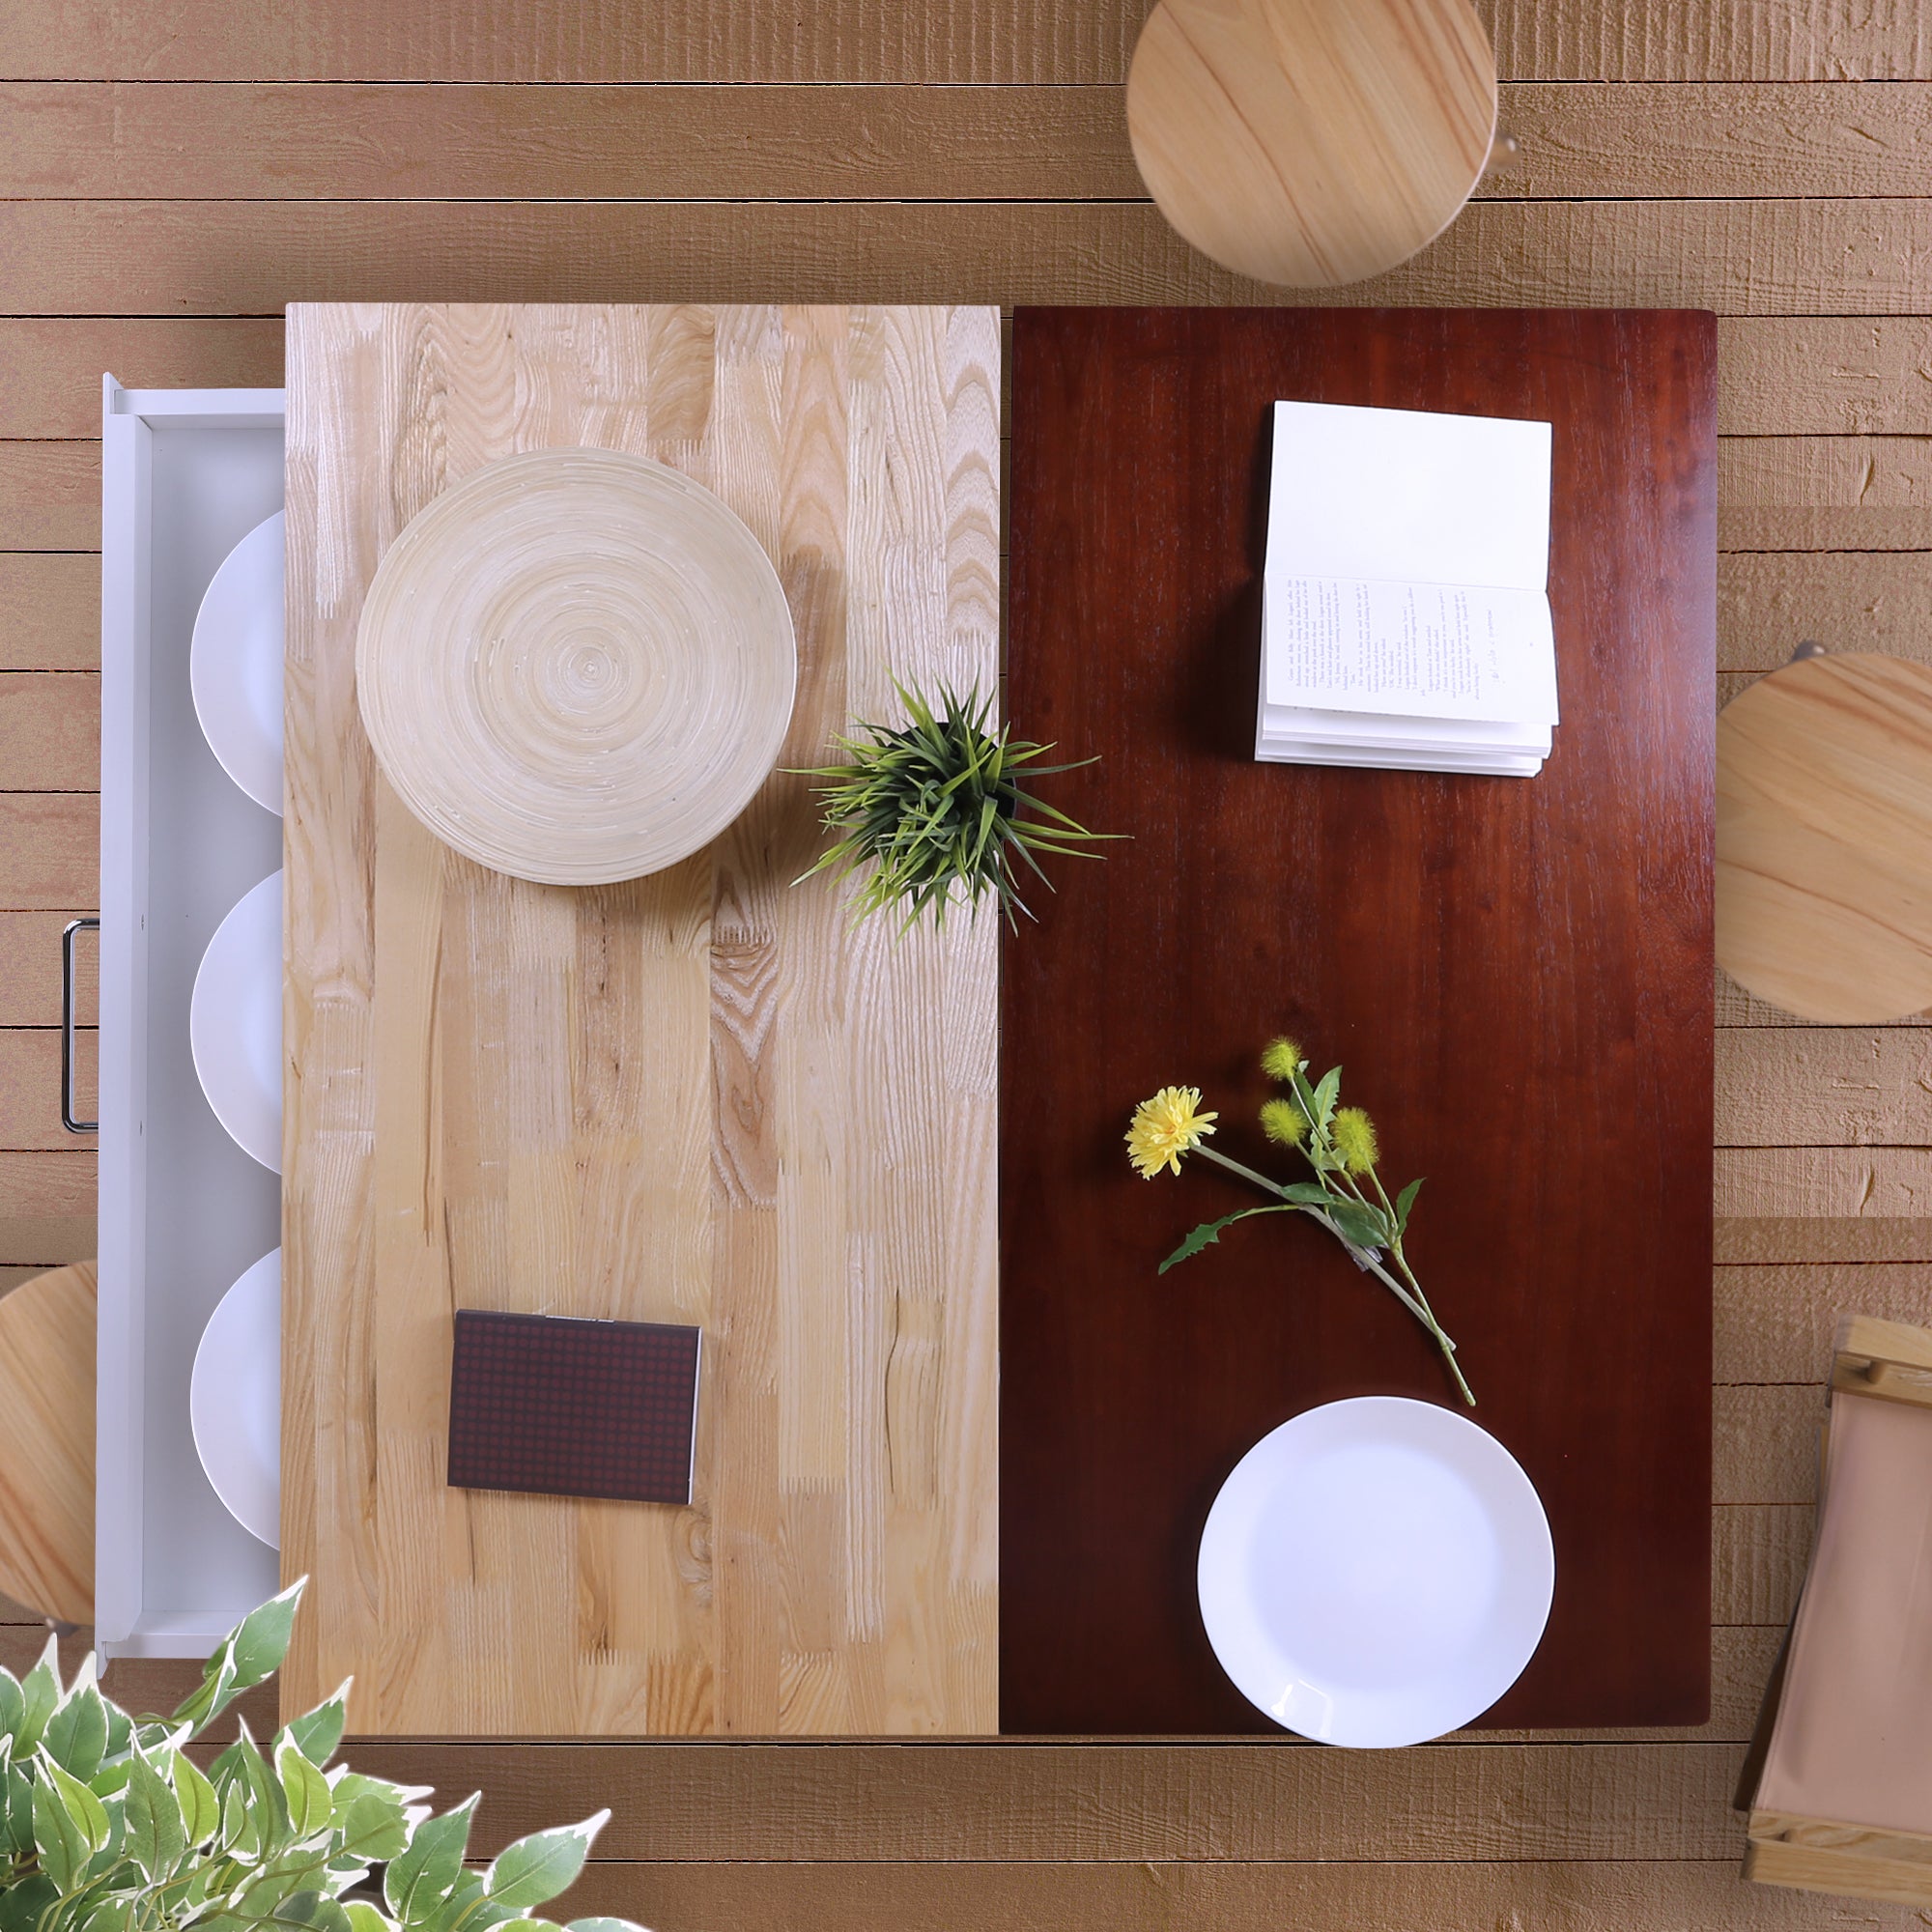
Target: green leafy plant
[
  {"x": 108, "y": 1826},
  {"x": 939, "y": 803},
  {"x": 1339, "y": 1144}
]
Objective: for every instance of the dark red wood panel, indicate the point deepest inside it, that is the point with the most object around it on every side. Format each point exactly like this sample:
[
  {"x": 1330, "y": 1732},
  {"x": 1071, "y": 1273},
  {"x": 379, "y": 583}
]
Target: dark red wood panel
[{"x": 1514, "y": 974}]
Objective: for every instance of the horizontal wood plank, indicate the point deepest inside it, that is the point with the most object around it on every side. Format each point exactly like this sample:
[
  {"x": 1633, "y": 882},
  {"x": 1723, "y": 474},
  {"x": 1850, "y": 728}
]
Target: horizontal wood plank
[
  {"x": 1776, "y": 1322},
  {"x": 252, "y": 142},
  {"x": 30, "y": 1089},
  {"x": 1765, "y": 1241},
  {"x": 1057, "y": 42},
  {"x": 1827, "y": 257},
  {"x": 49, "y": 849},
  {"x": 50, "y": 369},
  {"x": 1785, "y": 1087},
  {"x": 1758, "y": 1554},
  {"x": 30, "y": 972},
  {"x": 1610, "y": 1895},
  {"x": 1802, "y": 1182},
  {"x": 1097, "y": 1801},
  {"x": 50, "y": 496},
  {"x": 1736, "y": 1007},
  {"x": 50, "y": 730},
  {"x": 49, "y": 608},
  {"x": 1764, "y": 1443}
]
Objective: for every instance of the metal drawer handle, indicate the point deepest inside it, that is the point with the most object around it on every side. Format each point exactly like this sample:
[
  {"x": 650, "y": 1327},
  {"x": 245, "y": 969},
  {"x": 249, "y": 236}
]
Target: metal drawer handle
[{"x": 68, "y": 1120}]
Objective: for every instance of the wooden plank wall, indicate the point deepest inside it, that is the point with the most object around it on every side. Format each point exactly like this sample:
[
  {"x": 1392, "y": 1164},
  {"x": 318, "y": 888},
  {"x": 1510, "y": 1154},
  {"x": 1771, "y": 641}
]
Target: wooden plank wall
[{"x": 170, "y": 175}]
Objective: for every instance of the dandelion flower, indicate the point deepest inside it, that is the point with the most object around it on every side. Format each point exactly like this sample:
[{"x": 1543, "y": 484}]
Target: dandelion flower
[
  {"x": 1354, "y": 1136},
  {"x": 1166, "y": 1128},
  {"x": 1284, "y": 1120},
  {"x": 1281, "y": 1057}
]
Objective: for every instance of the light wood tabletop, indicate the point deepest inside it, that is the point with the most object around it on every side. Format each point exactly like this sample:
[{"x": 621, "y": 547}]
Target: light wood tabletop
[
  {"x": 700, "y": 1096},
  {"x": 1312, "y": 142},
  {"x": 1824, "y": 838}
]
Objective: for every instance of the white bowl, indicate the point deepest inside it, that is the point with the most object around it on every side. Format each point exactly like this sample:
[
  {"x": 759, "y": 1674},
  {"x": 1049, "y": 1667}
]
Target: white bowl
[
  {"x": 1376, "y": 1572},
  {"x": 235, "y": 1400},
  {"x": 234, "y": 664},
  {"x": 235, "y": 1022}
]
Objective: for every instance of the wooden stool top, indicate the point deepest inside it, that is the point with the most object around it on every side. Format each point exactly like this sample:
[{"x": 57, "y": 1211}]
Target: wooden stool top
[
  {"x": 1824, "y": 902},
  {"x": 1312, "y": 142}
]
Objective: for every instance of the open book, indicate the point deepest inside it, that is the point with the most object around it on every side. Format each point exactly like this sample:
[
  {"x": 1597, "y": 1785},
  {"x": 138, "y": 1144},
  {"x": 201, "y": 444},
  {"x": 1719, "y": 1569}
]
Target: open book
[{"x": 1405, "y": 619}]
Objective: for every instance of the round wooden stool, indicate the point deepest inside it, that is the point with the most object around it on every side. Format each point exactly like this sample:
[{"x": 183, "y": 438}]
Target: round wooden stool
[
  {"x": 1312, "y": 142},
  {"x": 46, "y": 1444},
  {"x": 1824, "y": 838}
]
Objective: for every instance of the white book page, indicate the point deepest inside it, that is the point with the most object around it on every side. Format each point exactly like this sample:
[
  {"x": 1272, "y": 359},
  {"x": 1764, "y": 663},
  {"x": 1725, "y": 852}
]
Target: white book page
[
  {"x": 1408, "y": 495},
  {"x": 1415, "y": 650}
]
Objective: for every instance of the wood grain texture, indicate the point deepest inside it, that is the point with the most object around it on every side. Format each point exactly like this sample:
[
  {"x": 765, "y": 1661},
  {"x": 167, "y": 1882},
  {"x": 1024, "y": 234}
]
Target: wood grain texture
[
  {"x": 268, "y": 142},
  {"x": 51, "y": 613},
  {"x": 50, "y": 730},
  {"x": 1829, "y": 257},
  {"x": 1874, "y": 1083},
  {"x": 1776, "y": 1322},
  {"x": 30, "y": 971},
  {"x": 46, "y": 1443},
  {"x": 1826, "y": 493},
  {"x": 49, "y": 849},
  {"x": 1055, "y": 42},
  {"x": 1777, "y": 1240},
  {"x": 1260, "y": 898},
  {"x": 1890, "y": 1184},
  {"x": 1612, "y": 1896},
  {"x": 1777, "y": 375},
  {"x": 30, "y": 1089},
  {"x": 1311, "y": 142},
  {"x": 1824, "y": 899},
  {"x": 682, "y": 1100},
  {"x": 1768, "y": 605},
  {"x": 49, "y": 496}
]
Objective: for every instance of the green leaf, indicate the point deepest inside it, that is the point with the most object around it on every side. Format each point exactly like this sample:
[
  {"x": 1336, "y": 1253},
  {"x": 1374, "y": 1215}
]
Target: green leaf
[
  {"x": 533, "y": 1871},
  {"x": 1326, "y": 1090},
  {"x": 1209, "y": 1232},
  {"x": 317, "y": 1733},
  {"x": 364, "y": 1918},
  {"x": 16, "y": 1821},
  {"x": 1403, "y": 1201},
  {"x": 23, "y": 1904},
  {"x": 310, "y": 1802},
  {"x": 156, "y": 1832},
  {"x": 40, "y": 1693},
  {"x": 77, "y": 1733},
  {"x": 1307, "y": 1194},
  {"x": 371, "y": 1825},
  {"x": 602, "y": 1925},
  {"x": 13, "y": 1705},
  {"x": 113, "y": 1914},
  {"x": 303, "y": 1911},
  {"x": 241, "y": 1835},
  {"x": 261, "y": 1640},
  {"x": 426, "y": 1872},
  {"x": 69, "y": 1824},
  {"x": 1366, "y": 1226},
  {"x": 200, "y": 1808}
]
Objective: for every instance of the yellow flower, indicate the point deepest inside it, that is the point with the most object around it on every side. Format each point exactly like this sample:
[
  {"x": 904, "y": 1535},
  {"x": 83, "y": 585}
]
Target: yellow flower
[
  {"x": 1166, "y": 1128},
  {"x": 1281, "y": 1057},
  {"x": 1284, "y": 1120},
  {"x": 1354, "y": 1136}
]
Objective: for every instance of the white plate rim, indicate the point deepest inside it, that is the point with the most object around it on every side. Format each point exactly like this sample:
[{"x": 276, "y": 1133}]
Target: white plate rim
[
  {"x": 250, "y": 1493},
  {"x": 254, "y": 765},
  {"x": 249, "y": 1114},
  {"x": 1533, "y": 1576}
]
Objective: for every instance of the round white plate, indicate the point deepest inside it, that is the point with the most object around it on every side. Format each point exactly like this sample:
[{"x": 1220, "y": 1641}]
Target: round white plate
[
  {"x": 1376, "y": 1572},
  {"x": 235, "y": 1022},
  {"x": 234, "y": 664},
  {"x": 235, "y": 1400}
]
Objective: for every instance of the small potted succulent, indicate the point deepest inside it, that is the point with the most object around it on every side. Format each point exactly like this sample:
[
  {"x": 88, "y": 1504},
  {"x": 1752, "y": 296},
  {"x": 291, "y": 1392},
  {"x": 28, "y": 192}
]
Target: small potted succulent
[{"x": 941, "y": 809}]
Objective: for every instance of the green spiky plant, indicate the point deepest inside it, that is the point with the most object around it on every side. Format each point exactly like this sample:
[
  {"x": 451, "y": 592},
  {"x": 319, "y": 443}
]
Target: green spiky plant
[
  {"x": 940, "y": 807},
  {"x": 108, "y": 1826}
]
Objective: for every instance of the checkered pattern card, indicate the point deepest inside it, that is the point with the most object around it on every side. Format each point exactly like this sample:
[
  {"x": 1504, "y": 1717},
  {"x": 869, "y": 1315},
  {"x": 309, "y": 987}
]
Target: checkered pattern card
[{"x": 562, "y": 1407}]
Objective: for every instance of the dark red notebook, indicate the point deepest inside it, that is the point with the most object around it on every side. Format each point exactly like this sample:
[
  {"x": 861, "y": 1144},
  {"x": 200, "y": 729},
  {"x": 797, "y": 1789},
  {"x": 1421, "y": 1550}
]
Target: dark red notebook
[{"x": 557, "y": 1407}]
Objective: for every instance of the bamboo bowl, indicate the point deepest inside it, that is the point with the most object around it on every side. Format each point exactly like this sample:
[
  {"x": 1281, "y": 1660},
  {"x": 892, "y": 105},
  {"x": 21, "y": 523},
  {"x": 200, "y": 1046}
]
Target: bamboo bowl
[{"x": 576, "y": 667}]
